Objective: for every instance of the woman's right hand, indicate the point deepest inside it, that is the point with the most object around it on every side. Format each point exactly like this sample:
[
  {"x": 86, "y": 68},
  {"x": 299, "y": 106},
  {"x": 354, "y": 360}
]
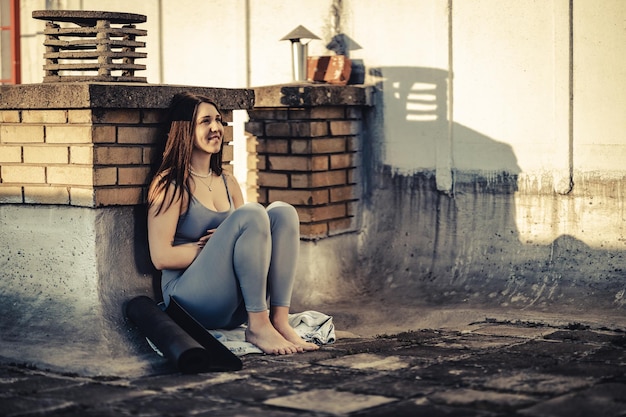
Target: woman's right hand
[{"x": 204, "y": 239}]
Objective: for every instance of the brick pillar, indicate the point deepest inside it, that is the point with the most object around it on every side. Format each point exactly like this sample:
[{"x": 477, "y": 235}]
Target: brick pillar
[
  {"x": 303, "y": 144},
  {"x": 88, "y": 144}
]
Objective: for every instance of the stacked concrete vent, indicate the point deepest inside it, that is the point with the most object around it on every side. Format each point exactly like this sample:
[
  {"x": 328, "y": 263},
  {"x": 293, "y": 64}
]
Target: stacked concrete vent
[{"x": 92, "y": 46}]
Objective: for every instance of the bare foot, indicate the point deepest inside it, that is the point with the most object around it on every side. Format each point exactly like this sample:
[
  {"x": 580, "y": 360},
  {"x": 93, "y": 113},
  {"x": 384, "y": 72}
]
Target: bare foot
[
  {"x": 269, "y": 340},
  {"x": 290, "y": 335},
  {"x": 279, "y": 316}
]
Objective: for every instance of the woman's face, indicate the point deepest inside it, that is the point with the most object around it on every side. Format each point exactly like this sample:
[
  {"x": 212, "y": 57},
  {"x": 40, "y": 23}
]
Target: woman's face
[{"x": 209, "y": 131}]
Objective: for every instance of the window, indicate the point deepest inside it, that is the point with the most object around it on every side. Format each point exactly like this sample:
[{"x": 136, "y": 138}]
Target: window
[{"x": 10, "y": 42}]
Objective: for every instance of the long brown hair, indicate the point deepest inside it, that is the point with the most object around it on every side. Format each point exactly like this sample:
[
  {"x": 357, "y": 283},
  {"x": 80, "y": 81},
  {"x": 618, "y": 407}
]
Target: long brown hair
[{"x": 176, "y": 159}]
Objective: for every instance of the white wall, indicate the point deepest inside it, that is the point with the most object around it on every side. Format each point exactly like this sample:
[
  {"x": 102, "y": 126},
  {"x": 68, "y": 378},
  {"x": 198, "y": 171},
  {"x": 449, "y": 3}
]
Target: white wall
[
  {"x": 600, "y": 85},
  {"x": 504, "y": 78},
  {"x": 204, "y": 43}
]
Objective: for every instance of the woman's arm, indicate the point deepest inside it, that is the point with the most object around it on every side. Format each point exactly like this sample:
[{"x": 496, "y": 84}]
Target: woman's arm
[{"x": 161, "y": 231}]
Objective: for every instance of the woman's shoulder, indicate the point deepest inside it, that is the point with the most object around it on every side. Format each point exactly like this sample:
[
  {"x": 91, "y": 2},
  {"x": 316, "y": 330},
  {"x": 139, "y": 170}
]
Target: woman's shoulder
[
  {"x": 161, "y": 189},
  {"x": 158, "y": 183},
  {"x": 159, "y": 177}
]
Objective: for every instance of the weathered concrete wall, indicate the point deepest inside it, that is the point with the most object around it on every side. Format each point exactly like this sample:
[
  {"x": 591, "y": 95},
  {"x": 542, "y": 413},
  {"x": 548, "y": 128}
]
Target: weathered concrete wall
[
  {"x": 428, "y": 247},
  {"x": 65, "y": 277}
]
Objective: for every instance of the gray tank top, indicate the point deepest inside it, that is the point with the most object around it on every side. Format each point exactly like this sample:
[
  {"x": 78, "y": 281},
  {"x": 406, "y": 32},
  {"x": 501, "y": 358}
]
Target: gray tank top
[{"x": 194, "y": 223}]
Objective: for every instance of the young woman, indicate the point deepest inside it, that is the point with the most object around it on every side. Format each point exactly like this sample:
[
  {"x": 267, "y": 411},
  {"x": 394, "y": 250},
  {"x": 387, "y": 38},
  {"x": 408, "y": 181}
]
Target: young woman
[{"x": 221, "y": 259}]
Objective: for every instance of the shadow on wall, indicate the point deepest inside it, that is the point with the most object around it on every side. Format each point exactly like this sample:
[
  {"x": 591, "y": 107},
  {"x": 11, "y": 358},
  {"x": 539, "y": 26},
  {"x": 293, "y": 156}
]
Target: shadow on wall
[
  {"x": 143, "y": 261},
  {"x": 419, "y": 133},
  {"x": 440, "y": 216}
]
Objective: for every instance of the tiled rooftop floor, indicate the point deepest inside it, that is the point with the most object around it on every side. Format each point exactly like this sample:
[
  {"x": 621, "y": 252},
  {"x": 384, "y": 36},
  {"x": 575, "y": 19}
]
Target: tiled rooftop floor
[{"x": 490, "y": 369}]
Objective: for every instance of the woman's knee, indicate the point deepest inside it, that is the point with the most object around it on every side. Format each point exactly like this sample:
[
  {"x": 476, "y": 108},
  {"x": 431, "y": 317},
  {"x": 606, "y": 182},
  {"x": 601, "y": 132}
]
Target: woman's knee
[
  {"x": 252, "y": 215},
  {"x": 283, "y": 214},
  {"x": 283, "y": 210}
]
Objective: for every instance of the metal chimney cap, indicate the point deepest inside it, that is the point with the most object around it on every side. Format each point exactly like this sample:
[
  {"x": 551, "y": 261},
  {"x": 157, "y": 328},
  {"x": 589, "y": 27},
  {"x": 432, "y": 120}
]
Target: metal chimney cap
[{"x": 299, "y": 33}]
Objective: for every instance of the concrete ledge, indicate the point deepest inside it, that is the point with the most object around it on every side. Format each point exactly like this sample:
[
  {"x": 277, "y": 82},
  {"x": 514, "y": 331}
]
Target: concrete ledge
[
  {"x": 83, "y": 95},
  {"x": 303, "y": 94}
]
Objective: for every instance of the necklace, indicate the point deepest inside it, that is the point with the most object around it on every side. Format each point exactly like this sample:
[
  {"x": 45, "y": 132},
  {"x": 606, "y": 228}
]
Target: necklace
[
  {"x": 195, "y": 174},
  {"x": 200, "y": 177}
]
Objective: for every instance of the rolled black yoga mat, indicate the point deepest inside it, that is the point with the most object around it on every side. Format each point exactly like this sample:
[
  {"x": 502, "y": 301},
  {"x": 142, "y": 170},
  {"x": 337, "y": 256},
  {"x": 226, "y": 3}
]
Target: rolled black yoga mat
[
  {"x": 175, "y": 344},
  {"x": 221, "y": 359}
]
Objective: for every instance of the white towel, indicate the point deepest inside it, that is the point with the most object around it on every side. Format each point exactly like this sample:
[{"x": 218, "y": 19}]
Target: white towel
[{"x": 314, "y": 327}]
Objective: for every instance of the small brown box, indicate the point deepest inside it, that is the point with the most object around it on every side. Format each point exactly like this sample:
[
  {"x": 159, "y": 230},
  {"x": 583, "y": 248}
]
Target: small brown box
[{"x": 330, "y": 69}]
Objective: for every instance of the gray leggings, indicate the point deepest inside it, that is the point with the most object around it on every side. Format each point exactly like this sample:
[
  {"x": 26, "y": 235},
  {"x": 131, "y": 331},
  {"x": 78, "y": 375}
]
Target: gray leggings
[{"x": 250, "y": 258}]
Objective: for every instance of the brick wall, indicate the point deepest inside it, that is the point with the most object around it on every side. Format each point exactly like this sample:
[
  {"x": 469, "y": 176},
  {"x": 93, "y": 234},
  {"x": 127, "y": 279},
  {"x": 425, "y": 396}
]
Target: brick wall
[
  {"x": 92, "y": 145},
  {"x": 91, "y": 157},
  {"x": 306, "y": 152}
]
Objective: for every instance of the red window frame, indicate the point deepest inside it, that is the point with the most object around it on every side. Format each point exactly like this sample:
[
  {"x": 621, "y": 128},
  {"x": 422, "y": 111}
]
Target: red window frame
[{"x": 14, "y": 30}]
